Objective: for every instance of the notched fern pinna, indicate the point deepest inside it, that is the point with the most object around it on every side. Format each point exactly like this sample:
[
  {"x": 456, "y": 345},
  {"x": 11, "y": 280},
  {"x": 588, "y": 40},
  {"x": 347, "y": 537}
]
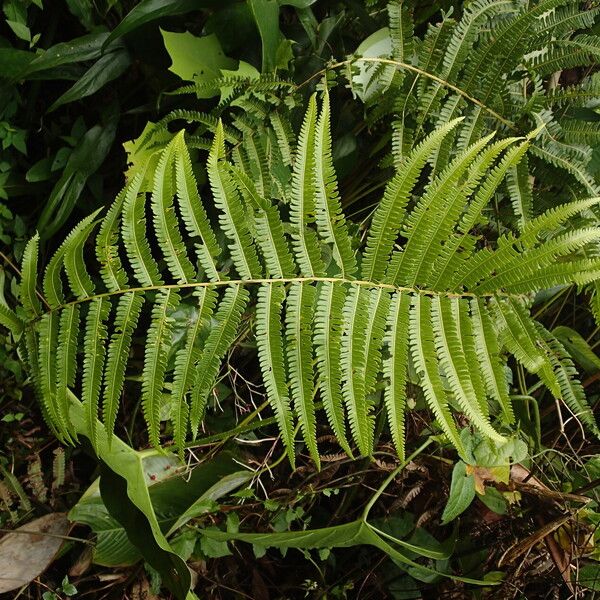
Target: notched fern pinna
[{"x": 336, "y": 327}]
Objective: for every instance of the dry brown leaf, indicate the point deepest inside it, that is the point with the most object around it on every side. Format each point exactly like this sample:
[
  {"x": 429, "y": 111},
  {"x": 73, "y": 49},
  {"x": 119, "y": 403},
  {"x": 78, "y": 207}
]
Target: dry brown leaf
[{"x": 26, "y": 552}]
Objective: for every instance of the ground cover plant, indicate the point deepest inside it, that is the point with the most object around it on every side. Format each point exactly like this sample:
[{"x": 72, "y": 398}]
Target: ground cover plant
[{"x": 311, "y": 310}]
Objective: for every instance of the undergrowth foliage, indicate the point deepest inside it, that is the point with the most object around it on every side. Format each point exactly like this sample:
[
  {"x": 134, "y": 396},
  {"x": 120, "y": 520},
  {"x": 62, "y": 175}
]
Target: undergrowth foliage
[{"x": 336, "y": 326}]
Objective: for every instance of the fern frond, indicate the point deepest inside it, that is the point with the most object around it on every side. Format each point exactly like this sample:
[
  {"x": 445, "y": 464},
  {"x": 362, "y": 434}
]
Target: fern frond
[
  {"x": 302, "y": 206},
  {"x": 10, "y": 320},
  {"x": 353, "y": 362},
  {"x": 553, "y": 154},
  {"x": 566, "y": 54},
  {"x": 231, "y": 217},
  {"x": 581, "y": 132},
  {"x": 378, "y": 310},
  {"x": 401, "y": 31},
  {"x": 221, "y": 337},
  {"x": 285, "y": 136},
  {"x": 45, "y": 374},
  {"x": 519, "y": 187},
  {"x": 192, "y": 212},
  {"x": 395, "y": 368},
  {"x": 165, "y": 221},
  {"x": 517, "y": 268},
  {"x": 489, "y": 64},
  {"x": 126, "y": 318},
  {"x": 458, "y": 49},
  {"x": 331, "y": 222},
  {"x": 66, "y": 366},
  {"x": 299, "y": 351},
  {"x": 423, "y": 353},
  {"x": 53, "y": 288},
  {"x": 488, "y": 353},
  {"x": 186, "y": 362},
  {"x": 572, "y": 392},
  {"x": 450, "y": 258},
  {"x": 155, "y": 360},
  {"x": 29, "y": 271},
  {"x": 94, "y": 348},
  {"x": 432, "y": 221},
  {"x": 390, "y": 213},
  {"x": 270, "y": 353},
  {"x": 111, "y": 269},
  {"x": 564, "y": 20},
  {"x": 518, "y": 334},
  {"x": 269, "y": 228},
  {"x": 329, "y": 325},
  {"x": 135, "y": 237},
  {"x": 454, "y": 363},
  {"x": 80, "y": 282}
]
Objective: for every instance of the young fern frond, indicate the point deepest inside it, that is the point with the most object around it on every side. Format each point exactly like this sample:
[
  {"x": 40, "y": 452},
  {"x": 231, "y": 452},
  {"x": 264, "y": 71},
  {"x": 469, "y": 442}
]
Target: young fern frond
[
  {"x": 29, "y": 272},
  {"x": 452, "y": 310}
]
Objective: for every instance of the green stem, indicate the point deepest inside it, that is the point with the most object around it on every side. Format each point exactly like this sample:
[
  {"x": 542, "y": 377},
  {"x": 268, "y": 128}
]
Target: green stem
[{"x": 391, "y": 477}]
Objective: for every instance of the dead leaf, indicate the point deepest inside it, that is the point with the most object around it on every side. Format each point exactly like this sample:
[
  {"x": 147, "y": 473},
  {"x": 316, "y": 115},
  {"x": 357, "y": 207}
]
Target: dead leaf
[{"x": 26, "y": 552}]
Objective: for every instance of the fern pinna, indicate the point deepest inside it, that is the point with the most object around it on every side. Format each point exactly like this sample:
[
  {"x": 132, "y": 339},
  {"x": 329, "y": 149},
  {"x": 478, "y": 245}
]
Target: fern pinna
[{"x": 336, "y": 327}]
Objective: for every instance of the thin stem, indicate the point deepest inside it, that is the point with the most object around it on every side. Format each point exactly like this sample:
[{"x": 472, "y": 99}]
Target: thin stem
[
  {"x": 408, "y": 67},
  {"x": 391, "y": 477},
  {"x": 285, "y": 280}
]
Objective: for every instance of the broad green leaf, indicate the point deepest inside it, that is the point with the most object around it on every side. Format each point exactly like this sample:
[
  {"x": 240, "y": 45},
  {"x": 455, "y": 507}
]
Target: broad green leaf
[
  {"x": 462, "y": 492},
  {"x": 266, "y": 15},
  {"x": 124, "y": 491},
  {"x": 85, "y": 160},
  {"x": 197, "y": 59},
  {"x": 108, "y": 67},
  {"x": 87, "y": 47},
  {"x": 151, "y": 10},
  {"x": 352, "y": 534}
]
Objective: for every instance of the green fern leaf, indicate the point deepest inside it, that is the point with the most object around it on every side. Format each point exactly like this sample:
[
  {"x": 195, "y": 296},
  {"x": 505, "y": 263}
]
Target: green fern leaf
[
  {"x": 53, "y": 289},
  {"x": 45, "y": 375},
  {"x": 390, "y": 212},
  {"x": 107, "y": 252},
  {"x": 331, "y": 222},
  {"x": 327, "y": 340},
  {"x": 394, "y": 368},
  {"x": 219, "y": 340},
  {"x": 488, "y": 353},
  {"x": 192, "y": 212},
  {"x": 155, "y": 360},
  {"x": 126, "y": 319},
  {"x": 572, "y": 392},
  {"x": 432, "y": 221},
  {"x": 519, "y": 187},
  {"x": 353, "y": 362},
  {"x": 186, "y": 361},
  {"x": 454, "y": 363},
  {"x": 10, "y": 320},
  {"x": 66, "y": 361},
  {"x": 449, "y": 259},
  {"x": 29, "y": 271},
  {"x": 423, "y": 352},
  {"x": 94, "y": 348},
  {"x": 302, "y": 206},
  {"x": 269, "y": 229},
  {"x": 231, "y": 218},
  {"x": 135, "y": 237},
  {"x": 298, "y": 342},
  {"x": 165, "y": 221},
  {"x": 80, "y": 282},
  {"x": 270, "y": 353}
]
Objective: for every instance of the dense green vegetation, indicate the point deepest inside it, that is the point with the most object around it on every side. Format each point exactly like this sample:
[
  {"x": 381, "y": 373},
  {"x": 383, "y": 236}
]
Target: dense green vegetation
[{"x": 301, "y": 298}]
